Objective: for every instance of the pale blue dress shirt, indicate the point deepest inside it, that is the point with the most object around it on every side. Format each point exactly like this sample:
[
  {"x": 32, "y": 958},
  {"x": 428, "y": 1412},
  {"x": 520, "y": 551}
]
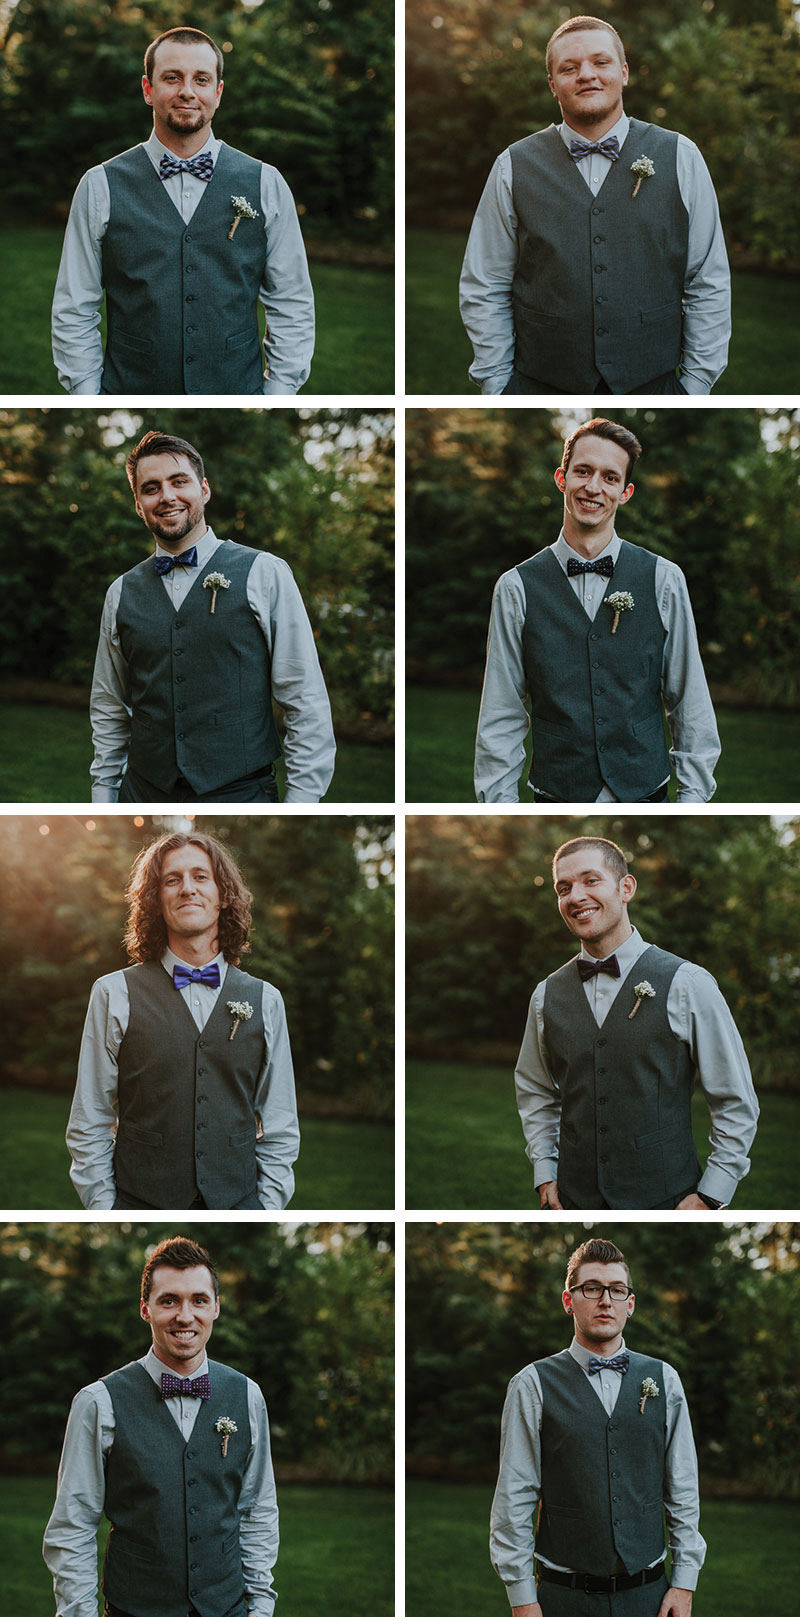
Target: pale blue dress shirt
[
  {"x": 285, "y": 293},
  {"x": 490, "y": 264}
]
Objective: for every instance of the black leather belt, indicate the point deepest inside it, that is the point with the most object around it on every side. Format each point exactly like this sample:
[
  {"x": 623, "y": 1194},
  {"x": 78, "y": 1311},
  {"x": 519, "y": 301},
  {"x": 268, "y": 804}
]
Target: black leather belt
[{"x": 593, "y": 1585}]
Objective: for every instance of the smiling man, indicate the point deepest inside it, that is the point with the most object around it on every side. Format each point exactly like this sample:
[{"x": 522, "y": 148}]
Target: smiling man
[
  {"x": 614, "y": 1044},
  {"x": 195, "y": 643},
  {"x": 599, "y": 634},
  {"x": 138, "y": 1440},
  {"x": 599, "y": 1437},
  {"x": 596, "y": 258},
  {"x": 185, "y": 1092},
  {"x": 183, "y": 236}
]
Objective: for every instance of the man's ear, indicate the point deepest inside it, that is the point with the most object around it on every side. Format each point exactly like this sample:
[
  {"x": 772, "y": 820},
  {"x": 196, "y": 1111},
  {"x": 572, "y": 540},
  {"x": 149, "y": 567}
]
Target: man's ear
[
  {"x": 560, "y": 479},
  {"x": 626, "y": 495}
]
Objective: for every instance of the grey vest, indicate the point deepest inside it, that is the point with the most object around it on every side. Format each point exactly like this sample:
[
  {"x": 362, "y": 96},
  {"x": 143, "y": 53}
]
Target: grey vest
[
  {"x": 595, "y": 696},
  {"x": 199, "y": 682},
  {"x": 172, "y": 1504},
  {"x": 187, "y": 1119},
  {"x": 602, "y": 1475},
  {"x": 599, "y": 281},
  {"x": 626, "y": 1090},
  {"x": 181, "y": 300}
]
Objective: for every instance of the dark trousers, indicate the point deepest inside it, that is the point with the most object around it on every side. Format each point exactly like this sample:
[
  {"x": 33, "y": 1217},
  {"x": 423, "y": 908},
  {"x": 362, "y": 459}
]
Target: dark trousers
[
  {"x": 641, "y": 1602},
  {"x": 591, "y": 1197},
  {"x": 523, "y": 385},
  {"x": 126, "y": 1199},
  {"x": 655, "y": 797},
  {"x": 259, "y": 788}
]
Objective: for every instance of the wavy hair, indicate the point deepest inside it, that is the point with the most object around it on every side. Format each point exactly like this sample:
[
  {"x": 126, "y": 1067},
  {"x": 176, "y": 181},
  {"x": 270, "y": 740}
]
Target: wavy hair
[{"x": 146, "y": 931}]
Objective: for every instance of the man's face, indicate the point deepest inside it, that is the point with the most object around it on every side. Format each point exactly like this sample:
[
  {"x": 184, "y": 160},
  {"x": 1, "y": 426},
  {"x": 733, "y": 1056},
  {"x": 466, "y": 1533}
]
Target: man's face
[
  {"x": 592, "y": 901},
  {"x": 587, "y": 79},
  {"x": 594, "y": 483},
  {"x": 170, "y": 498},
  {"x": 189, "y": 895},
  {"x": 601, "y": 1319},
  {"x": 183, "y": 91},
  {"x": 181, "y": 1311}
]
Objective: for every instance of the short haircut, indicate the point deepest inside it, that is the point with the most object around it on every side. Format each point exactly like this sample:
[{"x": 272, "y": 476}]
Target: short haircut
[
  {"x": 182, "y": 36},
  {"x": 177, "y": 1253},
  {"x": 163, "y": 443},
  {"x": 599, "y": 427},
  {"x": 576, "y": 25},
  {"x": 613, "y": 858},
  {"x": 146, "y": 932},
  {"x": 594, "y": 1251}
]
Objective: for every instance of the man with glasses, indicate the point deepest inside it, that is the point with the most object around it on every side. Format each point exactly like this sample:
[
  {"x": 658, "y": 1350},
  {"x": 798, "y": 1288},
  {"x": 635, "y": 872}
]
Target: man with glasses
[{"x": 601, "y": 1440}]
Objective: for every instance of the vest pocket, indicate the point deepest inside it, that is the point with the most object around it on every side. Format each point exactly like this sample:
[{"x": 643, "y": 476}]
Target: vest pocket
[
  {"x": 654, "y": 317},
  {"x": 654, "y": 722},
  {"x": 240, "y": 339},
  {"x": 132, "y": 1133},
  {"x": 243, "y": 1137},
  {"x": 126, "y": 339}
]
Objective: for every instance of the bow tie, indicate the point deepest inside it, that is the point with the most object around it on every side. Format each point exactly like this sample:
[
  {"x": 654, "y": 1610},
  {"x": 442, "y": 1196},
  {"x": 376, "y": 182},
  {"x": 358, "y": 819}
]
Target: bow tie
[
  {"x": 192, "y": 1387},
  {"x": 182, "y": 976},
  {"x": 588, "y": 968},
  {"x": 605, "y": 566},
  {"x": 201, "y": 166},
  {"x": 165, "y": 564},
  {"x": 584, "y": 148},
  {"x": 619, "y": 1362}
]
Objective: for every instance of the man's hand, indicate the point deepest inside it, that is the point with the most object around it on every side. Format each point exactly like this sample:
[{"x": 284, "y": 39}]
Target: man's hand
[
  {"x": 676, "y": 1603},
  {"x": 548, "y": 1197},
  {"x": 527, "y": 1611},
  {"x": 693, "y": 1203}
]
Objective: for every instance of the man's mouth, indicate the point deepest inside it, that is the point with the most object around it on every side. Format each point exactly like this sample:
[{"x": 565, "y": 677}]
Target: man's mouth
[
  {"x": 589, "y": 505},
  {"x": 583, "y": 914},
  {"x": 184, "y": 1336}
]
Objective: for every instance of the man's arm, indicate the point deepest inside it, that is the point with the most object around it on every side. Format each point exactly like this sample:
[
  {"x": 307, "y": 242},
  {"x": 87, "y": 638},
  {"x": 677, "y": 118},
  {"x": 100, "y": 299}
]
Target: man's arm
[
  {"x": 109, "y": 706},
  {"x": 700, "y": 1017},
  {"x": 681, "y": 1500},
  {"x": 279, "y": 1140},
  {"x": 296, "y": 677},
  {"x": 687, "y": 700},
  {"x": 539, "y": 1103},
  {"x": 93, "y": 1118},
  {"x": 488, "y": 271},
  {"x": 707, "y": 287},
  {"x": 519, "y": 1485},
  {"x": 78, "y": 297},
  {"x": 503, "y": 721},
  {"x": 258, "y": 1512},
  {"x": 286, "y": 291},
  {"x": 70, "y": 1539}
]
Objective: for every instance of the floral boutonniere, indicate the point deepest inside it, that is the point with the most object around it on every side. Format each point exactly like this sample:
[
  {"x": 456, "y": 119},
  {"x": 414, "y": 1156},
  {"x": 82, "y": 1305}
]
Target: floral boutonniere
[
  {"x": 642, "y": 991},
  {"x": 243, "y": 210},
  {"x": 620, "y": 601},
  {"x": 649, "y": 1390},
  {"x": 215, "y": 581},
  {"x": 643, "y": 169},
  {"x": 226, "y": 1428},
  {"x": 241, "y": 1011}
]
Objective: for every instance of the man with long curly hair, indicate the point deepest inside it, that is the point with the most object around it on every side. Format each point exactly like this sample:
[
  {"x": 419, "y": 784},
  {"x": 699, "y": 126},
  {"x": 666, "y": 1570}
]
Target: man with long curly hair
[{"x": 185, "y": 1093}]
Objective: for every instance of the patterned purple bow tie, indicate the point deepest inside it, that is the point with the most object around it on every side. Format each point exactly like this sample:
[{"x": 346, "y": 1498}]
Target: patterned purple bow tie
[
  {"x": 589, "y": 968},
  {"x": 182, "y": 976},
  {"x": 190, "y": 1386},
  {"x": 604, "y": 565},
  {"x": 584, "y": 148},
  {"x": 201, "y": 166},
  {"x": 165, "y": 564},
  {"x": 619, "y": 1362}
]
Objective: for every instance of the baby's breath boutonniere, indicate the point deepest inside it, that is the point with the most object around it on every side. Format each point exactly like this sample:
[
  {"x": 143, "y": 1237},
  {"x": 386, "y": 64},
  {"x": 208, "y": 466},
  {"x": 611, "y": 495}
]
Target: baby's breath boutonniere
[
  {"x": 215, "y": 581},
  {"x": 620, "y": 601},
  {"x": 241, "y": 1011},
  {"x": 226, "y": 1428},
  {"x": 643, "y": 169},
  {"x": 644, "y": 990},
  {"x": 243, "y": 210},
  {"x": 649, "y": 1390}
]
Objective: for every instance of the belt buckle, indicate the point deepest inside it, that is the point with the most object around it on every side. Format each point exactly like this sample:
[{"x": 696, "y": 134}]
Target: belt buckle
[{"x": 609, "y": 1585}]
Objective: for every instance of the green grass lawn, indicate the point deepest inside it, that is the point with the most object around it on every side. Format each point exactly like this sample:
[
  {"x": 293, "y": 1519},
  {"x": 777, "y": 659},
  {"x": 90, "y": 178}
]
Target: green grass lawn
[
  {"x": 465, "y": 1146},
  {"x": 750, "y": 1567},
  {"x": 760, "y": 760},
  {"x": 355, "y": 319},
  {"x": 45, "y": 755},
  {"x": 341, "y": 1163},
  {"x": 336, "y": 1555},
  {"x": 765, "y": 347}
]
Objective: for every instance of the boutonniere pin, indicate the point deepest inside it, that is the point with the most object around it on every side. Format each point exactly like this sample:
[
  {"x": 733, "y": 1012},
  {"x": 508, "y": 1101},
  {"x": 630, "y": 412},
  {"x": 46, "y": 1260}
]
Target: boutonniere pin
[
  {"x": 226, "y": 1428},
  {"x": 644, "y": 170},
  {"x": 241, "y": 1011},
  {"x": 620, "y": 601},
  {"x": 215, "y": 581},
  {"x": 243, "y": 210},
  {"x": 642, "y": 991},
  {"x": 649, "y": 1387}
]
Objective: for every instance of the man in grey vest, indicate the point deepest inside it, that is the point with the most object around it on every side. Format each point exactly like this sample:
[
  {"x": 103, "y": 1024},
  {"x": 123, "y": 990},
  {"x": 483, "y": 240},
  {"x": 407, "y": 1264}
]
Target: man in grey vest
[
  {"x": 185, "y": 1090},
  {"x": 183, "y": 236},
  {"x": 195, "y": 643},
  {"x": 599, "y": 634},
  {"x": 599, "y": 1438},
  {"x": 614, "y": 1043},
  {"x": 596, "y": 258},
  {"x": 174, "y": 1450}
]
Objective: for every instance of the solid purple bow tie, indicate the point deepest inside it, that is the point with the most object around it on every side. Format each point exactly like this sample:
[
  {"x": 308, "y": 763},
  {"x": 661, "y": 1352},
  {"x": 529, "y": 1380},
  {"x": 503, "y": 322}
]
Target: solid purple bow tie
[
  {"x": 588, "y": 968},
  {"x": 182, "y": 976},
  {"x": 165, "y": 564},
  {"x": 603, "y": 565},
  {"x": 619, "y": 1362},
  {"x": 584, "y": 148},
  {"x": 201, "y": 166},
  {"x": 191, "y": 1386}
]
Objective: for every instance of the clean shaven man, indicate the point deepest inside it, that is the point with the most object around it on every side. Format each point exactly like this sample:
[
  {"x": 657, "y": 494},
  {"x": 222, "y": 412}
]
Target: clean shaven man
[
  {"x": 174, "y": 1450},
  {"x": 183, "y": 237},
  {"x": 600, "y": 1439},
  {"x": 596, "y": 259},
  {"x": 196, "y": 642},
  {"x": 599, "y": 634},
  {"x": 614, "y": 1043},
  {"x": 185, "y": 1092}
]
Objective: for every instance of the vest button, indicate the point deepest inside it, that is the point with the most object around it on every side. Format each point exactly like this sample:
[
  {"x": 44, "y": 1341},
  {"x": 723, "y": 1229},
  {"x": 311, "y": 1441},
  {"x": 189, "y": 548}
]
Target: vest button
[
  {"x": 601, "y": 1100},
  {"x": 599, "y": 721},
  {"x": 595, "y": 665},
  {"x": 202, "y": 1098},
  {"x": 601, "y": 300},
  {"x": 201, "y": 1043},
  {"x": 602, "y": 1041},
  {"x": 188, "y": 236},
  {"x": 194, "y": 1538},
  {"x": 194, "y": 1510},
  {"x": 601, "y": 331},
  {"x": 602, "y": 1130},
  {"x": 601, "y": 1069},
  {"x": 190, "y": 359},
  {"x": 181, "y": 736},
  {"x": 190, "y": 269},
  {"x": 597, "y": 210},
  {"x": 598, "y": 269},
  {"x": 190, "y": 330},
  {"x": 595, "y": 637},
  {"x": 190, "y": 1482},
  {"x": 193, "y": 1565},
  {"x": 199, "y": 1154},
  {"x": 612, "y": 1427},
  {"x": 596, "y": 239},
  {"x": 604, "y": 1159},
  {"x": 191, "y": 297}
]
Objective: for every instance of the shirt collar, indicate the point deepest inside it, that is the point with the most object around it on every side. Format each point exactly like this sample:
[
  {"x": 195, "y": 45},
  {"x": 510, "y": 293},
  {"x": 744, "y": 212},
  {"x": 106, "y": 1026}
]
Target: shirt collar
[
  {"x": 205, "y": 547},
  {"x": 627, "y": 953},
  {"x": 169, "y": 959},
  {"x": 156, "y": 149},
  {"x": 562, "y": 551},
  {"x": 620, "y": 129},
  {"x": 156, "y": 1367},
  {"x": 583, "y": 1355}
]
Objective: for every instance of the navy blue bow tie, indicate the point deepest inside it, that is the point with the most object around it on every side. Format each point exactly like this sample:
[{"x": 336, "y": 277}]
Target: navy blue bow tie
[
  {"x": 201, "y": 166},
  {"x": 189, "y": 1386},
  {"x": 182, "y": 976},
  {"x": 589, "y": 968},
  {"x": 165, "y": 564},
  {"x": 604, "y": 565},
  {"x": 584, "y": 148},
  {"x": 619, "y": 1362}
]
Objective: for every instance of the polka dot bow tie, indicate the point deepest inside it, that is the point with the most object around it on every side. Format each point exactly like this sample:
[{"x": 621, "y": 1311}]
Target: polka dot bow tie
[
  {"x": 619, "y": 1362},
  {"x": 604, "y": 565},
  {"x": 202, "y": 166},
  {"x": 190, "y": 1386}
]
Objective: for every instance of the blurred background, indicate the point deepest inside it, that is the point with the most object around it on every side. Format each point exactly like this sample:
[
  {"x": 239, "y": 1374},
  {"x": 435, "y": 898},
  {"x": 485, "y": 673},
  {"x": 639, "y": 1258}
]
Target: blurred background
[
  {"x": 718, "y": 1301},
  {"x": 306, "y": 1310},
  {"x": 323, "y": 935},
  {"x": 716, "y": 492}
]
